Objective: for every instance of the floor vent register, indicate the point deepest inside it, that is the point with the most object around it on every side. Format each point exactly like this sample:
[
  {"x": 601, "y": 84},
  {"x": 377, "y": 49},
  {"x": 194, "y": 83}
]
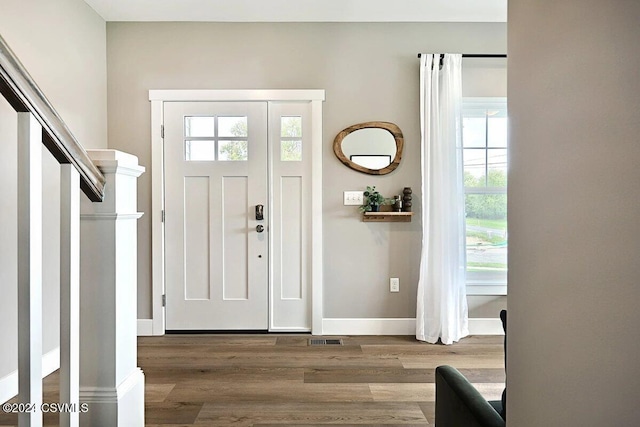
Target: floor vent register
[{"x": 322, "y": 341}]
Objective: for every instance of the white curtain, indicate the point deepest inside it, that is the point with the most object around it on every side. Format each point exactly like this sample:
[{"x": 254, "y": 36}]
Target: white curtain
[{"x": 442, "y": 311}]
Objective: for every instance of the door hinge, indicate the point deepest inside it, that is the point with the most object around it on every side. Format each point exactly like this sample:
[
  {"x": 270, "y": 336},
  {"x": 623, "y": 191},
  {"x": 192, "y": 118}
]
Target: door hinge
[
  {"x": 161, "y": 131},
  {"x": 164, "y": 300},
  {"x": 162, "y": 215}
]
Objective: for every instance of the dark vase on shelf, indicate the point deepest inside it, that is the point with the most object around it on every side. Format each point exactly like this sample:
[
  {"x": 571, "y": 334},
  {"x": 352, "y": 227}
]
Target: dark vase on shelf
[
  {"x": 375, "y": 208},
  {"x": 397, "y": 203},
  {"x": 406, "y": 199}
]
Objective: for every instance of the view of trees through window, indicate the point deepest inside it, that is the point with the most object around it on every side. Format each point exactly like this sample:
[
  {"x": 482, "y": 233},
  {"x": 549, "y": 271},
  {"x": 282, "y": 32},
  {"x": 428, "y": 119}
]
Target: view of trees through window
[
  {"x": 210, "y": 138},
  {"x": 291, "y": 138},
  {"x": 485, "y": 179},
  {"x": 235, "y": 150}
]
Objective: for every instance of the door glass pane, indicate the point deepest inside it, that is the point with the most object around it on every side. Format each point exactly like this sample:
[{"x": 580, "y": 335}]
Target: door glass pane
[
  {"x": 199, "y": 126},
  {"x": 202, "y": 150},
  {"x": 486, "y": 228},
  {"x": 291, "y": 150},
  {"x": 291, "y": 126},
  {"x": 233, "y": 150},
  {"x": 232, "y": 126},
  {"x": 474, "y": 168}
]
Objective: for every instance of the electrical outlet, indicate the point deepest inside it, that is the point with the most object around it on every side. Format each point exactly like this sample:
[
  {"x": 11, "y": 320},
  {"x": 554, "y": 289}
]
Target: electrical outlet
[
  {"x": 353, "y": 198},
  {"x": 394, "y": 284}
]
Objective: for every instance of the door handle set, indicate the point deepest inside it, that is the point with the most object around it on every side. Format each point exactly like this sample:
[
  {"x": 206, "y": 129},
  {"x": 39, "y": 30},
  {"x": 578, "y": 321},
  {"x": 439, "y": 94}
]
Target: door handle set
[{"x": 259, "y": 217}]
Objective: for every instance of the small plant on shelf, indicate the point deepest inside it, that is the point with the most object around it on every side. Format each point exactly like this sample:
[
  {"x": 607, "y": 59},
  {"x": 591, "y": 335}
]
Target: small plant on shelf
[{"x": 374, "y": 200}]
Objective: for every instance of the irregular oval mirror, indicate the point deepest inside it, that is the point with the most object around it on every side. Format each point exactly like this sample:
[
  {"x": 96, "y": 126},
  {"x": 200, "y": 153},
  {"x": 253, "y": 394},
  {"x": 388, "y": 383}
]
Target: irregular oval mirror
[{"x": 372, "y": 147}]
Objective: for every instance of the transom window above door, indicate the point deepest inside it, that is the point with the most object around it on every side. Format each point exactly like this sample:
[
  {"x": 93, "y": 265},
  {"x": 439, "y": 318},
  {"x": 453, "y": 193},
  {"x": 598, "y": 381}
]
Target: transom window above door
[{"x": 216, "y": 138}]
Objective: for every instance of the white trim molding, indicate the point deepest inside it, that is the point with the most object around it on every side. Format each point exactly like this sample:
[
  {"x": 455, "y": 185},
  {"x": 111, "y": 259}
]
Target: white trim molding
[
  {"x": 237, "y": 95},
  {"x": 342, "y": 326},
  {"x": 145, "y": 327},
  {"x": 485, "y": 326},
  {"x": 317, "y": 245},
  {"x": 368, "y": 326},
  {"x": 122, "y": 405},
  {"x": 157, "y": 217},
  {"x": 112, "y": 394},
  {"x": 401, "y": 326}
]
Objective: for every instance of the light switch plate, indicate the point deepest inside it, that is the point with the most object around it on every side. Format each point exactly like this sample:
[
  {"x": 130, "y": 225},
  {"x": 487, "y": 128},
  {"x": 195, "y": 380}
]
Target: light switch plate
[{"x": 353, "y": 198}]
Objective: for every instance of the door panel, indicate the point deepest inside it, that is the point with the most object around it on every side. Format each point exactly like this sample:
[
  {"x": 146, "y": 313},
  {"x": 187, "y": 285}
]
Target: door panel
[
  {"x": 215, "y": 175},
  {"x": 235, "y": 281},
  {"x": 197, "y": 271},
  {"x": 291, "y": 239}
]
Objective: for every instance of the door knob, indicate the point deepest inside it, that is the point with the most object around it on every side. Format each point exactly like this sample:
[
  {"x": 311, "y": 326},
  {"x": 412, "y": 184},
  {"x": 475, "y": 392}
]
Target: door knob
[{"x": 259, "y": 228}]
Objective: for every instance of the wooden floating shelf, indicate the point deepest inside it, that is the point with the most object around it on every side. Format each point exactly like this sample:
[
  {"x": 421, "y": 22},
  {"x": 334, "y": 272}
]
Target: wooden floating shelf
[{"x": 387, "y": 216}]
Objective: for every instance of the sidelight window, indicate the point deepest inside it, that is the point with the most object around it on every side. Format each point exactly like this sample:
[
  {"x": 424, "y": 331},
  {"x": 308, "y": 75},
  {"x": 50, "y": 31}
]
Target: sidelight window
[{"x": 291, "y": 138}]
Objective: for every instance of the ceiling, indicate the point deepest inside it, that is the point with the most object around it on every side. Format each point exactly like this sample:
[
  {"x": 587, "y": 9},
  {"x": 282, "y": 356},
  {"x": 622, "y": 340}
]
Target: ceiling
[{"x": 302, "y": 10}]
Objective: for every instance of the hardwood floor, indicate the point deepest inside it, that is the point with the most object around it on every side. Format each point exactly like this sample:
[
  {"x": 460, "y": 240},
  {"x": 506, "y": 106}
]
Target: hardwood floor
[
  {"x": 275, "y": 380},
  {"x": 278, "y": 380}
]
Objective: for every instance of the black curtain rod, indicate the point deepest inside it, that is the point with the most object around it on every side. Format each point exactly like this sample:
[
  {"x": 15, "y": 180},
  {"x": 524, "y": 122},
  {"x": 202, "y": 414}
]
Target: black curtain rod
[{"x": 479, "y": 55}]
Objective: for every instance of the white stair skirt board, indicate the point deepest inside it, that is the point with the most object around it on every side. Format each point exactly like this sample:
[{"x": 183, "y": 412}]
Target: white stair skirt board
[
  {"x": 145, "y": 327},
  {"x": 9, "y": 383},
  {"x": 407, "y": 326}
]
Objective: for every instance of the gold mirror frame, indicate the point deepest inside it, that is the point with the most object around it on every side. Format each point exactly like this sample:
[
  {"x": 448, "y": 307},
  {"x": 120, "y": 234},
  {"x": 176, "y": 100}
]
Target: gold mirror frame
[{"x": 392, "y": 128}]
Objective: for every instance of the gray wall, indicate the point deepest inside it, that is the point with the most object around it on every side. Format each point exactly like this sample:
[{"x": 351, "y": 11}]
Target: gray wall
[
  {"x": 574, "y": 213},
  {"x": 62, "y": 44},
  {"x": 369, "y": 72}
]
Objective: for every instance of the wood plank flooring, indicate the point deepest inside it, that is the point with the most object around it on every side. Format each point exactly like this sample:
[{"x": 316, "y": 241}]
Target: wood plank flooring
[
  {"x": 279, "y": 380},
  {"x": 276, "y": 380}
]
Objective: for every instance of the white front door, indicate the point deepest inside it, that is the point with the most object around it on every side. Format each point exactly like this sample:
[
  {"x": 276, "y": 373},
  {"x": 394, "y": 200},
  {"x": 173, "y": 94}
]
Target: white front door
[{"x": 216, "y": 246}]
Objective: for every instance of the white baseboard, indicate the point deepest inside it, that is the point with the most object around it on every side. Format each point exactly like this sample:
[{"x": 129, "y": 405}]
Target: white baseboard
[
  {"x": 385, "y": 326},
  {"x": 145, "y": 327},
  {"x": 407, "y": 326},
  {"x": 485, "y": 326},
  {"x": 115, "y": 406},
  {"x": 368, "y": 326},
  {"x": 9, "y": 383}
]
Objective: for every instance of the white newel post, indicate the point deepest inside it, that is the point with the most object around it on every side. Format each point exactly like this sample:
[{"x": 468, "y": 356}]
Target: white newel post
[{"x": 110, "y": 382}]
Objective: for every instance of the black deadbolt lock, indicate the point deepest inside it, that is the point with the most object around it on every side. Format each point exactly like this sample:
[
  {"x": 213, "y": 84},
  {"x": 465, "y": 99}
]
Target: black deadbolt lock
[{"x": 259, "y": 212}]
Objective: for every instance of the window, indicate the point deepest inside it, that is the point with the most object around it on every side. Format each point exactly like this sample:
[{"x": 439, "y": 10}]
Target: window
[
  {"x": 484, "y": 141},
  {"x": 291, "y": 138},
  {"x": 210, "y": 138}
]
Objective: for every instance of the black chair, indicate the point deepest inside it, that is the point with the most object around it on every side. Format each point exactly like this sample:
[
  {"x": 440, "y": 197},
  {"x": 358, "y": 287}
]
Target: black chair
[{"x": 459, "y": 404}]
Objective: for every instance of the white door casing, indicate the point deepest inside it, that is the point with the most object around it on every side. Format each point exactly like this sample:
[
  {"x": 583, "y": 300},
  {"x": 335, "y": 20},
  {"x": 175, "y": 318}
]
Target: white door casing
[{"x": 295, "y": 302}]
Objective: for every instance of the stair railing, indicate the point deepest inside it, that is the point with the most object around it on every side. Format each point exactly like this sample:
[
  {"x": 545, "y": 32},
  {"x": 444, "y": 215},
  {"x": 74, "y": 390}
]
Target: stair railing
[{"x": 39, "y": 123}]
